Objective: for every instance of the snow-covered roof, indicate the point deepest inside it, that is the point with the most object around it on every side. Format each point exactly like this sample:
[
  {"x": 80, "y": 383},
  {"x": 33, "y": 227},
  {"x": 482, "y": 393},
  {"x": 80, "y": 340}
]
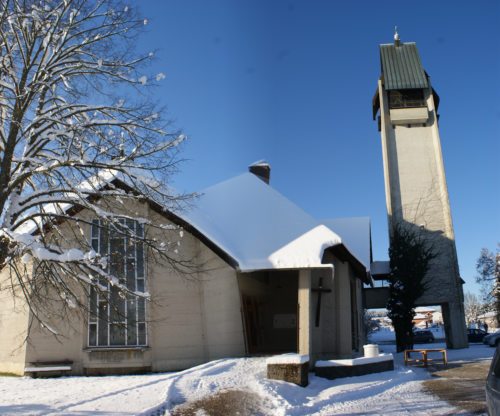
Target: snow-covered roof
[
  {"x": 355, "y": 235},
  {"x": 423, "y": 309},
  {"x": 261, "y": 162},
  {"x": 487, "y": 315},
  {"x": 98, "y": 181},
  {"x": 251, "y": 223},
  {"x": 259, "y": 227},
  {"x": 135, "y": 178}
]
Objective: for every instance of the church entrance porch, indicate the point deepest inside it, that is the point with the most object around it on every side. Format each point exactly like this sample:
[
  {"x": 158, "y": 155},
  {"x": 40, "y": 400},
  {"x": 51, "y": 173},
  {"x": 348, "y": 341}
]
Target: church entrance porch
[{"x": 269, "y": 311}]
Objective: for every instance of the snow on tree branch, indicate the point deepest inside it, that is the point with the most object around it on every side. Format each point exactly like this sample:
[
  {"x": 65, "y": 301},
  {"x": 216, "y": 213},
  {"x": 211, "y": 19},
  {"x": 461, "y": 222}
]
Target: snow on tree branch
[{"x": 77, "y": 118}]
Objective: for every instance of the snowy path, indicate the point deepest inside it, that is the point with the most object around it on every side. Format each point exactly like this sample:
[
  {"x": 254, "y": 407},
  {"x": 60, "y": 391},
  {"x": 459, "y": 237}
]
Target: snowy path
[
  {"x": 120, "y": 395},
  {"x": 397, "y": 392}
]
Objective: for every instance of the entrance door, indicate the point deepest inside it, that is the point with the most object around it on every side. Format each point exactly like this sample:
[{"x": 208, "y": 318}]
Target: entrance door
[
  {"x": 269, "y": 307},
  {"x": 251, "y": 316}
]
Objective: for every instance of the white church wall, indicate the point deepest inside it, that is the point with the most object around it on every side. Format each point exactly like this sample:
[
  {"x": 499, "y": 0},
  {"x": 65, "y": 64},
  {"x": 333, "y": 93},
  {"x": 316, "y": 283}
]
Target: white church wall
[
  {"x": 333, "y": 338},
  {"x": 14, "y": 315},
  {"x": 71, "y": 344},
  {"x": 191, "y": 318},
  {"x": 324, "y": 335},
  {"x": 343, "y": 309},
  {"x": 222, "y": 307},
  {"x": 194, "y": 318}
]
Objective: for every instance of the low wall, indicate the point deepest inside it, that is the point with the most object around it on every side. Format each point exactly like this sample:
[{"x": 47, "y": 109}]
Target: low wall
[
  {"x": 333, "y": 369},
  {"x": 293, "y": 368}
]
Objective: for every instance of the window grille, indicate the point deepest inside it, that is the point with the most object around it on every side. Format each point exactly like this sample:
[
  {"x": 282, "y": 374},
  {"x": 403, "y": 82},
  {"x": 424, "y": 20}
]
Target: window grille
[
  {"x": 115, "y": 318},
  {"x": 406, "y": 98}
]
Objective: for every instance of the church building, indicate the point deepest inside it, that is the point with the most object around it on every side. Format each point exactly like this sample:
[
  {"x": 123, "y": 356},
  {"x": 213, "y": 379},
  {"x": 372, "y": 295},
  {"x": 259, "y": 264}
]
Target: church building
[{"x": 270, "y": 279}]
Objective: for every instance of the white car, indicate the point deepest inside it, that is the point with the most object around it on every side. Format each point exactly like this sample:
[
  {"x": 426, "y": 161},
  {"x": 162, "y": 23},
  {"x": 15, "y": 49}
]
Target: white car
[{"x": 492, "y": 339}]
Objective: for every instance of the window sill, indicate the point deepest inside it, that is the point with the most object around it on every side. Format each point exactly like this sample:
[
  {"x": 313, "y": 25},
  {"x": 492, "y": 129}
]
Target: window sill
[{"x": 118, "y": 348}]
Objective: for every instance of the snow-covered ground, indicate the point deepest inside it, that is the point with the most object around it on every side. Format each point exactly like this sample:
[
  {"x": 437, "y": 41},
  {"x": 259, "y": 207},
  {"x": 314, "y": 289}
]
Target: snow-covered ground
[{"x": 394, "y": 392}]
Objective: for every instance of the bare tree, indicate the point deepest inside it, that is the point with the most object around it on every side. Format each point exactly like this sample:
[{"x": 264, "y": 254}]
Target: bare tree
[
  {"x": 473, "y": 307},
  {"x": 488, "y": 269},
  {"x": 371, "y": 325},
  {"x": 78, "y": 128}
]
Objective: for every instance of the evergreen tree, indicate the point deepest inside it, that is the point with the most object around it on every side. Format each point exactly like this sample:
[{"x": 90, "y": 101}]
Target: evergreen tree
[{"x": 410, "y": 255}]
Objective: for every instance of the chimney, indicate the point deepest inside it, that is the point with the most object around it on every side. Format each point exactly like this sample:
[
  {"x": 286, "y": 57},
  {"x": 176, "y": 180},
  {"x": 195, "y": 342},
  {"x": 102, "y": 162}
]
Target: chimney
[{"x": 261, "y": 169}]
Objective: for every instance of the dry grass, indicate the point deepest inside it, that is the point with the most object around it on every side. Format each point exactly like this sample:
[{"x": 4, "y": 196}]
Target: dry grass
[
  {"x": 462, "y": 385},
  {"x": 227, "y": 403}
]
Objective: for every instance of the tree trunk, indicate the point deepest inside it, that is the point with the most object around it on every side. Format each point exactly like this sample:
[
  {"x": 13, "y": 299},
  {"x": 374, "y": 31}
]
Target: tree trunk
[
  {"x": 4, "y": 251},
  {"x": 404, "y": 336}
]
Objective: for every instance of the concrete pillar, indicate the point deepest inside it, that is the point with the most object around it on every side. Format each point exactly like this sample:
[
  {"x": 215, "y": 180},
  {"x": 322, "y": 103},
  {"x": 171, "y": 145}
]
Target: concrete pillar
[
  {"x": 454, "y": 325},
  {"x": 343, "y": 300},
  {"x": 304, "y": 314}
]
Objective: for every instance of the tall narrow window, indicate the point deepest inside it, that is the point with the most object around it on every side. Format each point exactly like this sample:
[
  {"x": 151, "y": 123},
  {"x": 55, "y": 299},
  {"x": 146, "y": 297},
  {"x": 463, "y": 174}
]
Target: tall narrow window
[{"x": 115, "y": 318}]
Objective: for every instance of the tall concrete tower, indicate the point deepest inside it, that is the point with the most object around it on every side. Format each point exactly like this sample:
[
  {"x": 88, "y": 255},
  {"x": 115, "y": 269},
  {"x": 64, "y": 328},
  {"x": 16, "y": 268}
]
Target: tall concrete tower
[{"x": 415, "y": 183}]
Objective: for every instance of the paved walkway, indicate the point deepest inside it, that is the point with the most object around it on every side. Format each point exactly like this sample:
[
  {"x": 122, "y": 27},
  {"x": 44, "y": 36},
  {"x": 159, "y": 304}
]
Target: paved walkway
[{"x": 461, "y": 384}]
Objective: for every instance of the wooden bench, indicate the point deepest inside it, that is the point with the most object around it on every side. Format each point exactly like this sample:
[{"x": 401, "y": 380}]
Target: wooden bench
[
  {"x": 424, "y": 354},
  {"x": 48, "y": 368}
]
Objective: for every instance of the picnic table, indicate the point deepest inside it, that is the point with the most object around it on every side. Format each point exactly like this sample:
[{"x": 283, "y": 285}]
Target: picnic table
[{"x": 424, "y": 355}]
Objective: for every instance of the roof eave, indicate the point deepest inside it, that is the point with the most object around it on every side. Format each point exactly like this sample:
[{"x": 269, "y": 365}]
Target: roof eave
[
  {"x": 187, "y": 227},
  {"x": 343, "y": 254}
]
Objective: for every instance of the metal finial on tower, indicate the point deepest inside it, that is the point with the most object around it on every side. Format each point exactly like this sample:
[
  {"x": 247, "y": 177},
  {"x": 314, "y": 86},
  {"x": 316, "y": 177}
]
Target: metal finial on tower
[{"x": 396, "y": 36}]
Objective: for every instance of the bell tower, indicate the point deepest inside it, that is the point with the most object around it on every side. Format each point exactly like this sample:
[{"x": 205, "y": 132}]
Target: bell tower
[{"x": 415, "y": 182}]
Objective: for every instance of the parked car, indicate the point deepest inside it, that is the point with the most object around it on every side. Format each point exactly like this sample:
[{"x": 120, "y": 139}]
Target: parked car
[
  {"x": 423, "y": 337},
  {"x": 493, "y": 385},
  {"x": 475, "y": 335},
  {"x": 492, "y": 340}
]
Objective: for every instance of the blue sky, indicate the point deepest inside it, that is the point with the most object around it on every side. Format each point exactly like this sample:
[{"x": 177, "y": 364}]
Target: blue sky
[{"x": 292, "y": 82}]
